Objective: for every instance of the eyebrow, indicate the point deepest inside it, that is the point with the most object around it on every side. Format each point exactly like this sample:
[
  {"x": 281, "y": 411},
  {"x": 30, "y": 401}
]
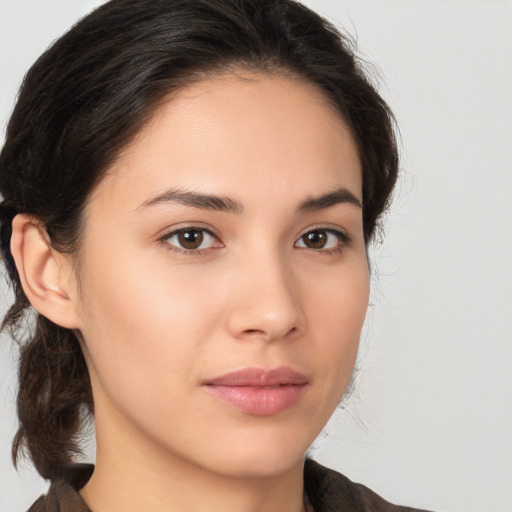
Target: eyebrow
[
  {"x": 227, "y": 204},
  {"x": 195, "y": 199},
  {"x": 337, "y": 196}
]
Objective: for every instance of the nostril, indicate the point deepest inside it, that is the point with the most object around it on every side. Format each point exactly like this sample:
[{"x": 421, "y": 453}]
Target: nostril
[
  {"x": 255, "y": 332},
  {"x": 261, "y": 333}
]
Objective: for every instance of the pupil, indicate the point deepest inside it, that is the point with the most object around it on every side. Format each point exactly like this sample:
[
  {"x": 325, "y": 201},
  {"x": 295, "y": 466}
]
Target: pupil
[
  {"x": 191, "y": 239},
  {"x": 315, "y": 239}
]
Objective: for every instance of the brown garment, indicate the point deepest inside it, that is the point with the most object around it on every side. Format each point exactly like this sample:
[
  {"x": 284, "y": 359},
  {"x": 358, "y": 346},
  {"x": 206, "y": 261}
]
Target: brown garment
[{"x": 327, "y": 491}]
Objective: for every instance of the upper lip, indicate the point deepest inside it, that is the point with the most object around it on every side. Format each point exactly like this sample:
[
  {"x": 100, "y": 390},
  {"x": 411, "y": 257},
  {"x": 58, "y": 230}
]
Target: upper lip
[{"x": 259, "y": 377}]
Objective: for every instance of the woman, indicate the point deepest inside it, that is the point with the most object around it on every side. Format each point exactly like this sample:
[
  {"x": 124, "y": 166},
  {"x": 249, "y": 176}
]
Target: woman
[{"x": 189, "y": 190}]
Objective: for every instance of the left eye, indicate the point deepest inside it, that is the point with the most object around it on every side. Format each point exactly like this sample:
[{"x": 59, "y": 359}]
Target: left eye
[
  {"x": 191, "y": 239},
  {"x": 321, "y": 239}
]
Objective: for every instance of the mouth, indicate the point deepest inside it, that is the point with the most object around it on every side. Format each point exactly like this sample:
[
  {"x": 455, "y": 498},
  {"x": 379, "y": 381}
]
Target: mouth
[{"x": 259, "y": 391}]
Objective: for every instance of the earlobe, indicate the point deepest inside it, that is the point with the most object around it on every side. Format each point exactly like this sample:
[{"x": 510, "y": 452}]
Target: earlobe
[{"x": 45, "y": 274}]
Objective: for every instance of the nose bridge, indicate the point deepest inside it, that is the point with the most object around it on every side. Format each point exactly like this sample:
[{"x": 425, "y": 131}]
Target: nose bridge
[{"x": 266, "y": 302}]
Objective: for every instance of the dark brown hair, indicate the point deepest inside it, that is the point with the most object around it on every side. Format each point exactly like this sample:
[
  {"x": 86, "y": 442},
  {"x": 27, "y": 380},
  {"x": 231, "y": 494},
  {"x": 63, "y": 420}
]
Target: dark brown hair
[{"x": 84, "y": 100}]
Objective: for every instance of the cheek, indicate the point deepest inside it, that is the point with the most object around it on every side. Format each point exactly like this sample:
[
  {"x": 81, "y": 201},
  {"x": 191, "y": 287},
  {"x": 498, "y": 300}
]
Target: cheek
[
  {"x": 144, "y": 329},
  {"x": 339, "y": 297},
  {"x": 336, "y": 320}
]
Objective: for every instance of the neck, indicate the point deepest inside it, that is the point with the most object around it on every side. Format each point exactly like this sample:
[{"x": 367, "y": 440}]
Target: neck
[
  {"x": 133, "y": 475},
  {"x": 130, "y": 487}
]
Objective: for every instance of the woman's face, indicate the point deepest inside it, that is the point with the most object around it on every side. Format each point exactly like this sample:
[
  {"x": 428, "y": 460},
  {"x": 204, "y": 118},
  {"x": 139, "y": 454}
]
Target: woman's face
[{"x": 224, "y": 279}]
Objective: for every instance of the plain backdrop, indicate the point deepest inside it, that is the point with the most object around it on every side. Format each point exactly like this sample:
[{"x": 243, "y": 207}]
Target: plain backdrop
[{"x": 430, "y": 424}]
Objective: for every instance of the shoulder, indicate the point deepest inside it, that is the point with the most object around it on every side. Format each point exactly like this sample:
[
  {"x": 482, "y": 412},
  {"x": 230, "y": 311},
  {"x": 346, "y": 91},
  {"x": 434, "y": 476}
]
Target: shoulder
[
  {"x": 330, "y": 491},
  {"x": 63, "y": 495}
]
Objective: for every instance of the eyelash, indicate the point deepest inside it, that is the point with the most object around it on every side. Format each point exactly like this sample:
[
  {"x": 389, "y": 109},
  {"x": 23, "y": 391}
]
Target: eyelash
[
  {"x": 164, "y": 240},
  {"x": 344, "y": 240}
]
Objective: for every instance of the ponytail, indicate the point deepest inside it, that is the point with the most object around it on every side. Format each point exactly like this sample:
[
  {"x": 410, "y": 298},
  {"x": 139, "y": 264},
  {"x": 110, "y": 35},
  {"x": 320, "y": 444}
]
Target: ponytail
[{"x": 54, "y": 392}]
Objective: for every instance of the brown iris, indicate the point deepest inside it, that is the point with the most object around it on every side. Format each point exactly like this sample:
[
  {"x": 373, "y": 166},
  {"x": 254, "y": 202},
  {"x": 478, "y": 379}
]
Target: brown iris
[
  {"x": 315, "y": 239},
  {"x": 190, "y": 238}
]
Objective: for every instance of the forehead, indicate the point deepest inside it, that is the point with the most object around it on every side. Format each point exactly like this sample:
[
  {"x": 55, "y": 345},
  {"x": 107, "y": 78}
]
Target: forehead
[{"x": 238, "y": 135}]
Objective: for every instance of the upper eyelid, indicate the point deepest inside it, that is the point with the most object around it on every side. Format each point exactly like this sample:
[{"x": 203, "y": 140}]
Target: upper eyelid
[
  {"x": 344, "y": 239},
  {"x": 164, "y": 238},
  {"x": 167, "y": 232},
  {"x": 326, "y": 227}
]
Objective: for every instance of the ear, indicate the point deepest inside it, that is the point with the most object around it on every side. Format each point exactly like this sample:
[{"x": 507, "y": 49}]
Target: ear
[{"x": 46, "y": 275}]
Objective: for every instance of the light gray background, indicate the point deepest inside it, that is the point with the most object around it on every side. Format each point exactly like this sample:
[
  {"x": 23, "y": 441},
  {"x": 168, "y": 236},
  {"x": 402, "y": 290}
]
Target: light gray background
[{"x": 431, "y": 422}]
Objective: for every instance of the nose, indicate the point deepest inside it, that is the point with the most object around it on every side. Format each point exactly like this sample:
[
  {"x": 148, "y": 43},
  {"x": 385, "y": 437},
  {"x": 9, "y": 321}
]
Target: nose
[{"x": 265, "y": 301}]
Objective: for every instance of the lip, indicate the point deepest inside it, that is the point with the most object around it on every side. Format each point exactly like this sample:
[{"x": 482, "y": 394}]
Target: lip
[{"x": 259, "y": 391}]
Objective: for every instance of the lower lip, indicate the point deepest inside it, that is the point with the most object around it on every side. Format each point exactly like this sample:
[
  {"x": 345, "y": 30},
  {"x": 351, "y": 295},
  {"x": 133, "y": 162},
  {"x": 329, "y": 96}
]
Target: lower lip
[{"x": 259, "y": 401}]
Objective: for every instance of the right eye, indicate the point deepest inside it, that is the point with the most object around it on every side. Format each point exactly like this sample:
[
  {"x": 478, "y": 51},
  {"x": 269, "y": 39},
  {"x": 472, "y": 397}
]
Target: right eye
[{"x": 190, "y": 239}]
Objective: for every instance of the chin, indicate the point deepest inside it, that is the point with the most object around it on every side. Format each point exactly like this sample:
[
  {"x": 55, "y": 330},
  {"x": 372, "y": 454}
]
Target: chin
[
  {"x": 264, "y": 457},
  {"x": 268, "y": 464}
]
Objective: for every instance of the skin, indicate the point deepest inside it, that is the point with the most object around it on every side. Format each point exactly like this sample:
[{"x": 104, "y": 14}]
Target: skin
[{"x": 156, "y": 322}]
